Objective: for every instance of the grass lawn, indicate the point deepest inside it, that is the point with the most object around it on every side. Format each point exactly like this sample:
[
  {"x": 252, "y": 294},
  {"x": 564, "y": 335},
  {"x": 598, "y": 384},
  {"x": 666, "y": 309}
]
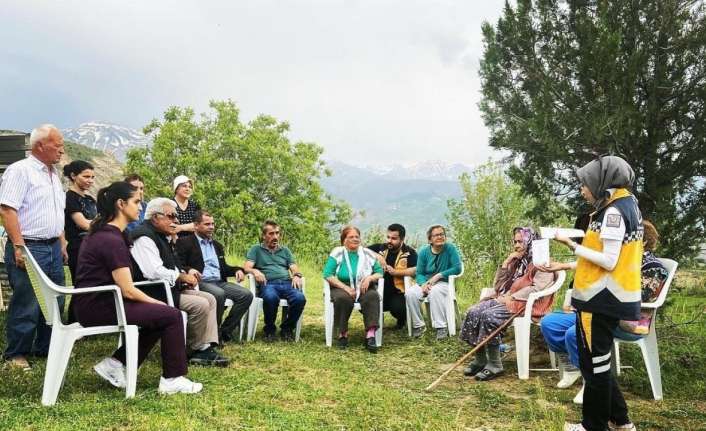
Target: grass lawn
[{"x": 308, "y": 386}]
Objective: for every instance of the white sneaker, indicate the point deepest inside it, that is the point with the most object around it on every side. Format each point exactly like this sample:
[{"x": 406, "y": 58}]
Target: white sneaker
[
  {"x": 626, "y": 427},
  {"x": 578, "y": 399},
  {"x": 112, "y": 371},
  {"x": 178, "y": 385},
  {"x": 568, "y": 378},
  {"x": 573, "y": 427}
]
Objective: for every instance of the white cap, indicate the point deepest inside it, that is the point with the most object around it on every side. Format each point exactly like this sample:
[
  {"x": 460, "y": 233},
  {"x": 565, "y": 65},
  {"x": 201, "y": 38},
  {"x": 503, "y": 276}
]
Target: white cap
[{"x": 181, "y": 179}]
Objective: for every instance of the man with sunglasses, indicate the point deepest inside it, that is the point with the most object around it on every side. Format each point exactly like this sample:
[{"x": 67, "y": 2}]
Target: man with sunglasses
[{"x": 155, "y": 259}]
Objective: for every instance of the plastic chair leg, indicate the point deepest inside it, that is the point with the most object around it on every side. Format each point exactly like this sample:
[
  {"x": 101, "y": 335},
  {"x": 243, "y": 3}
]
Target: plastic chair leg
[
  {"x": 378, "y": 332},
  {"x": 650, "y": 354},
  {"x": 451, "y": 317},
  {"x": 243, "y": 323},
  {"x": 60, "y": 346},
  {"x": 522, "y": 341},
  {"x": 131, "y": 346},
  {"x": 297, "y": 334},
  {"x": 328, "y": 323},
  {"x": 185, "y": 319},
  {"x": 552, "y": 360},
  {"x": 253, "y": 315},
  {"x": 409, "y": 320},
  {"x": 616, "y": 358}
]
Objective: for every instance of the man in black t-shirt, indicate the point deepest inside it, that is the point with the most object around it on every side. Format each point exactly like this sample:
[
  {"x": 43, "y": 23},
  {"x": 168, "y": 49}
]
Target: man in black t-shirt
[{"x": 398, "y": 260}]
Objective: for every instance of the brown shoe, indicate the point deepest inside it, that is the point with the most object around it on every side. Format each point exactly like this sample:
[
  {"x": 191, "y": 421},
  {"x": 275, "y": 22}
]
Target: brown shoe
[{"x": 19, "y": 362}]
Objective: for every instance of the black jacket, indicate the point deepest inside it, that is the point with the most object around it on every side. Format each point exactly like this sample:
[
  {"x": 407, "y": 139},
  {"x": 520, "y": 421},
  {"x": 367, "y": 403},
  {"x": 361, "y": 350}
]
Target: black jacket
[
  {"x": 190, "y": 255},
  {"x": 166, "y": 253}
]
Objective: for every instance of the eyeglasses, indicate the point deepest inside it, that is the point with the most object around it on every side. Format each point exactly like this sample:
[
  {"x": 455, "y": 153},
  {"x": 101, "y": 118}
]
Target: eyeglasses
[
  {"x": 517, "y": 241},
  {"x": 171, "y": 216},
  {"x": 439, "y": 235}
]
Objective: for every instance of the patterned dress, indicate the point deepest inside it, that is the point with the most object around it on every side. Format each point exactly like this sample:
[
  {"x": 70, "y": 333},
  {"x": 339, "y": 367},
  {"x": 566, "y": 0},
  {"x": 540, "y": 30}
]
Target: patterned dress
[{"x": 486, "y": 316}]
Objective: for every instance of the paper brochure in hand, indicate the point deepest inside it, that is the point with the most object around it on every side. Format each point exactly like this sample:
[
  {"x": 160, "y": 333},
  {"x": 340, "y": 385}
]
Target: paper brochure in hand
[
  {"x": 540, "y": 252},
  {"x": 552, "y": 232}
]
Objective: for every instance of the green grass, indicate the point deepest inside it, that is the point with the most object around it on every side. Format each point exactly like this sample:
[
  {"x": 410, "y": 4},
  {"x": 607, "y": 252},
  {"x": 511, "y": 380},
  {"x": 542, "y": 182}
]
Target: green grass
[{"x": 307, "y": 386}]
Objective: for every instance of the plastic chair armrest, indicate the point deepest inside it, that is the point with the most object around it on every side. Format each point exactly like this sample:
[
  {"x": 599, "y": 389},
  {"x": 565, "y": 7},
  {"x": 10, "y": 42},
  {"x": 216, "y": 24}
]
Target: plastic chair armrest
[
  {"x": 167, "y": 290},
  {"x": 117, "y": 297}
]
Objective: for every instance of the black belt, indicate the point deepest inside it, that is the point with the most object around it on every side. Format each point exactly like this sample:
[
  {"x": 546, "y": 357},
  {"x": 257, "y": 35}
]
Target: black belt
[{"x": 49, "y": 241}]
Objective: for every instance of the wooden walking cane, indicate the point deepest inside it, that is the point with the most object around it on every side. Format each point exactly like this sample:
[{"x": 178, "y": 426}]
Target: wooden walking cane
[{"x": 474, "y": 350}]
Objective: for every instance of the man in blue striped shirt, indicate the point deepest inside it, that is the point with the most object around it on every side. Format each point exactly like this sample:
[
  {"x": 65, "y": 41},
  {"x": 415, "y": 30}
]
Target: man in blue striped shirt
[{"x": 32, "y": 204}]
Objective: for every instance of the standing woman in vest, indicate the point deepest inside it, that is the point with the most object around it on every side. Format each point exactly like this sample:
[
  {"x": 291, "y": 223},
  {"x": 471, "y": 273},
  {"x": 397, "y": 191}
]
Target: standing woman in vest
[
  {"x": 607, "y": 286},
  {"x": 80, "y": 209}
]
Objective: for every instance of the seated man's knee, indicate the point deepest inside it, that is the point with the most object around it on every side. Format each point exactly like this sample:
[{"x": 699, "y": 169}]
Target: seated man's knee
[{"x": 269, "y": 296}]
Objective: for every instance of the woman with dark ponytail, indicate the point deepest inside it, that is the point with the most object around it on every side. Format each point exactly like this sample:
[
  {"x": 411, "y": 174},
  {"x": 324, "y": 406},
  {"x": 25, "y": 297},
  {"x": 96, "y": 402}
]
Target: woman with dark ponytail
[
  {"x": 104, "y": 259},
  {"x": 80, "y": 208}
]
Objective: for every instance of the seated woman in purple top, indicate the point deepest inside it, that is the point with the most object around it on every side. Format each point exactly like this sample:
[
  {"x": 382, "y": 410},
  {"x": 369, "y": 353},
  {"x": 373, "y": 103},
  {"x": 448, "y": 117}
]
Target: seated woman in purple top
[{"x": 104, "y": 259}]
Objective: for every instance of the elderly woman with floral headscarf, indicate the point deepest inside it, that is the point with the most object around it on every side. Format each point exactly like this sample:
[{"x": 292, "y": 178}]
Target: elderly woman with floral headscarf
[{"x": 515, "y": 279}]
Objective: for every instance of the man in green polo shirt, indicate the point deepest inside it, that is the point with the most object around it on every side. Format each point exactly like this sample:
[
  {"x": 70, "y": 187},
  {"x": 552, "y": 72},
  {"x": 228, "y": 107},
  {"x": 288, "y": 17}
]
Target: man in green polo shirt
[{"x": 278, "y": 277}]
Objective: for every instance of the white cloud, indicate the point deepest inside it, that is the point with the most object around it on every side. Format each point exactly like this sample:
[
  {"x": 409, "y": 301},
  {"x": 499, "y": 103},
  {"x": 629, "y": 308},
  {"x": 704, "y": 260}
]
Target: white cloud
[{"x": 385, "y": 80}]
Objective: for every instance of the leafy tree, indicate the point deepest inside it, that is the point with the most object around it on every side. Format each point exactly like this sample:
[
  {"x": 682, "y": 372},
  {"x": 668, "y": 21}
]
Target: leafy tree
[
  {"x": 243, "y": 174},
  {"x": 564, "y": 81},
  {"x": 482, "y": 221}
]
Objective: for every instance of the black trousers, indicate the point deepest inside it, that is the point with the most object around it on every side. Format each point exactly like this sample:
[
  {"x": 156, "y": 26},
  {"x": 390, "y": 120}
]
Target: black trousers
[
  {"x": 394, "y": 302},
  {"x": 222, "y": 290},
  {"x": 602, "y": 399}
]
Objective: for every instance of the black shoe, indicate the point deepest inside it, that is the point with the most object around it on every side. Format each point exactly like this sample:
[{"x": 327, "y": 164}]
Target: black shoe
[
  {"x": 472, "y": 369},
  {"x": 371, "y": 345},
  {"x": 270, "y": 338},
  {"x": 401, "y": 324},
  {"x": 343, "y": 343},
  {"x": 208, "y": 357},
  {"x": 226, "y": 337},
  {"x": 487, "y": 374},
  {"x": 287, "y": 336}
]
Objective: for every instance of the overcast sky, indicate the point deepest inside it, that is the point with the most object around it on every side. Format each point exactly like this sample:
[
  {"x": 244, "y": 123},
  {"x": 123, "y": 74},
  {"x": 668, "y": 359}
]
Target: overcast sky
[{"x": 367, "y": 80}]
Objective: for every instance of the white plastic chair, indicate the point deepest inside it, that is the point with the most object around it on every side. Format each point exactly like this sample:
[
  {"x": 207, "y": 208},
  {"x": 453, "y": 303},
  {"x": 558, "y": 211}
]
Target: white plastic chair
[
  {"x": 328, "y": 313},
  {"x": 253, "y": 312},
  {"x": 648, "y": 343},
  {"x": 452, "y": 312},
  {"x": 63, "y": 336},
  {"x": 523, "y": 323}
]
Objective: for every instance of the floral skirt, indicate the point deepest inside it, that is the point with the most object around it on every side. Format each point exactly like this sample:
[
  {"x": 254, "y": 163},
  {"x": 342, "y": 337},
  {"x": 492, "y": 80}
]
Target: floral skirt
[{"x": 481, "y": 320}]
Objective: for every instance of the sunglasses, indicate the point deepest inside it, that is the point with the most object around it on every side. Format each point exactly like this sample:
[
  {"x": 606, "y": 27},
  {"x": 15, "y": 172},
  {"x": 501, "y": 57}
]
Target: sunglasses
[{"x": 171, "y": 216}]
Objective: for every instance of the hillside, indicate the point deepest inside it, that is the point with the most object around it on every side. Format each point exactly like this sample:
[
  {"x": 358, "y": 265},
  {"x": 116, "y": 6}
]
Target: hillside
[{"x": 381, "y": 196}]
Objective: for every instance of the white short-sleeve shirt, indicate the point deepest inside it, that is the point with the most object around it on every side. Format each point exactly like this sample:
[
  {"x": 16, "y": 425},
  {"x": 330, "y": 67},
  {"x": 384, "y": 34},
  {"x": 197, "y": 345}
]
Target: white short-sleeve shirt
[{"x": 36, "y": 193}]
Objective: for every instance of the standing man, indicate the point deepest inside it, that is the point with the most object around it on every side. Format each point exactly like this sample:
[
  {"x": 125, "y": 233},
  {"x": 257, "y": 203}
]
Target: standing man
[
  {"x": 205, "y": 256},
  {"x": 32, "y": 203},
  {"x": 398, "y": 260},
  {"x": 271, "y": 264},
  {"x": 156, "y": 260}
]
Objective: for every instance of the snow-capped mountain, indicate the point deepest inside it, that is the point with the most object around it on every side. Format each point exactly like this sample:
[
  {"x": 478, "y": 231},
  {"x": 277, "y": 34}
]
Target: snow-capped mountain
[
  {"x": 433, "y": 170},
  {"x": 111, "y": 138}
]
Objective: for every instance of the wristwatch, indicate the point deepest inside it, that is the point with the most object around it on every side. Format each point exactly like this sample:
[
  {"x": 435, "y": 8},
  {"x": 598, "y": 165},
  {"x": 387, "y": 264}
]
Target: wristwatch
[{"x": 298, "y": 274}]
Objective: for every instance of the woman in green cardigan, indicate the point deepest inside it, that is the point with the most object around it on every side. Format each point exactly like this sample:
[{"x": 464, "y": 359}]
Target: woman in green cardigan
[
  {"x": 435, "y": 263},
  {"x": 352, "y": 258}
]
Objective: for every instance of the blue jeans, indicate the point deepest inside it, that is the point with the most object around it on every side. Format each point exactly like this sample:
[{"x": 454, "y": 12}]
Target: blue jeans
[
  {"x": 271, "y": 293},
  {"x": 559, "y": 330},
  {"x": 24, "y": 317}
]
